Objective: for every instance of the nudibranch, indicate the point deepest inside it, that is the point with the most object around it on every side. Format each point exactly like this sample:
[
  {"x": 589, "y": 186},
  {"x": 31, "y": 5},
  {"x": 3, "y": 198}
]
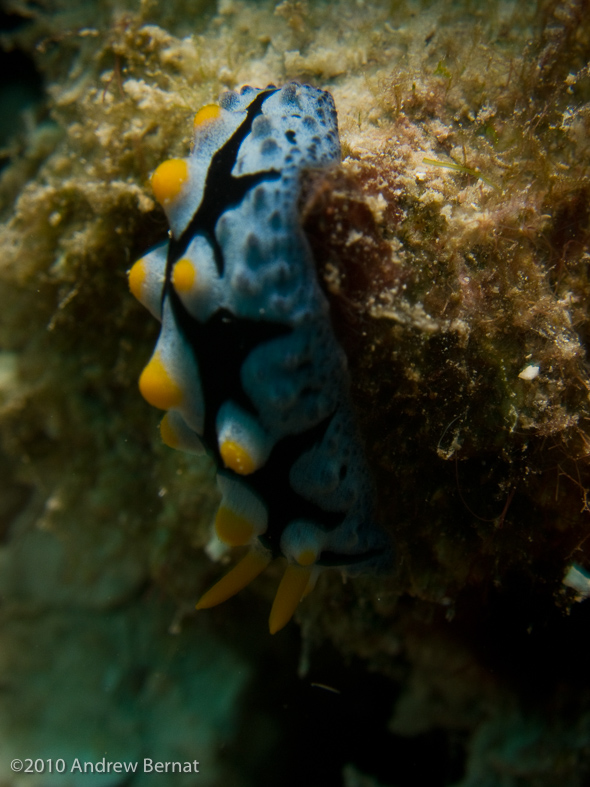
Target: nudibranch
[{"x": 247, "y": 365}]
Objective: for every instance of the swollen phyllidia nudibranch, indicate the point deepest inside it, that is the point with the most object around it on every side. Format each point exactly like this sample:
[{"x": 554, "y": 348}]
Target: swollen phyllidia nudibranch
[{"x": 247, "y": 365}]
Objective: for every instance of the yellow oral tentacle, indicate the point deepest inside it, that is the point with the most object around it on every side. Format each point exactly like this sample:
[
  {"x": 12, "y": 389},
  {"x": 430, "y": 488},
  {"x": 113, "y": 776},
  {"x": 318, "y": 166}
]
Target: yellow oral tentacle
[
  {"x": 176, "y": 434},
  {"x": 231, "y": 528},
  {"x": 167, "y": 433},
  {"x": 289, "y": 594},
  {"x": 249, "y": 567}
]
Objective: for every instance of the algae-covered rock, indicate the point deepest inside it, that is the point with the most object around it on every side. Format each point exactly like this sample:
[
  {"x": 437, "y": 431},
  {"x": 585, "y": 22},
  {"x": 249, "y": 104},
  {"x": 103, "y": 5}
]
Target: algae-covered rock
[{"x": 453, "y": 244}]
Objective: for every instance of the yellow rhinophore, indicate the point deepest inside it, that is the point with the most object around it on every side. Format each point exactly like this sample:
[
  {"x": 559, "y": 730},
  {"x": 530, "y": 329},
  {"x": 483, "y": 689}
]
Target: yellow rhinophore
[
  {"x": 296, "y": 583},
  {"x": 290, "y": 592},
  {"x": 241, "y": 575}
]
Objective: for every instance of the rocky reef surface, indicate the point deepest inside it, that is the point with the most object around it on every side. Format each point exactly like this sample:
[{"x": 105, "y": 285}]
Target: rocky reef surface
[{"x": 454, "y": 244}]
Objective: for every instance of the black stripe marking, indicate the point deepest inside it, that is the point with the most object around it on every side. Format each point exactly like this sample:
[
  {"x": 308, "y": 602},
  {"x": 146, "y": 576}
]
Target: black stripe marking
[
  {"x": 222, "y": 344},
  {"x": 221, "y": 191},
  {"x": 220, "y": 347}
]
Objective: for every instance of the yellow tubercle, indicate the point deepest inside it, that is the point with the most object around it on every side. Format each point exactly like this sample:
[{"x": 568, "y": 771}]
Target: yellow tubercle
[
  {"x": 290, "y": 592},
  {"x": 306, "y": 557},
  {"x": 231, "y": 528},
  {"x": 137, "y": 276},
  {"x": 241, "y": 575},
  {"x": 184, "y": 275},
  {"x": 235, "y": 457},
  {"x": 157, "y": 386},
  {"x": 206, "y": 114},
  {"x": 169, "y": 179}
]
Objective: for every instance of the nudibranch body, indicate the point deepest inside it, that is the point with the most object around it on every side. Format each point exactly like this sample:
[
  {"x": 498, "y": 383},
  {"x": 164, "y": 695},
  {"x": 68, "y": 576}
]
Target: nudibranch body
[{"x": 247, "y": 365}]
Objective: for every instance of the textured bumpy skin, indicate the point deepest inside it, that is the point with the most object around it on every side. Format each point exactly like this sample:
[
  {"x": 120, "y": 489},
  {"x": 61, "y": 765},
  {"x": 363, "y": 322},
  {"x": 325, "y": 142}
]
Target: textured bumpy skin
[{"x": 247, "y": 365}]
